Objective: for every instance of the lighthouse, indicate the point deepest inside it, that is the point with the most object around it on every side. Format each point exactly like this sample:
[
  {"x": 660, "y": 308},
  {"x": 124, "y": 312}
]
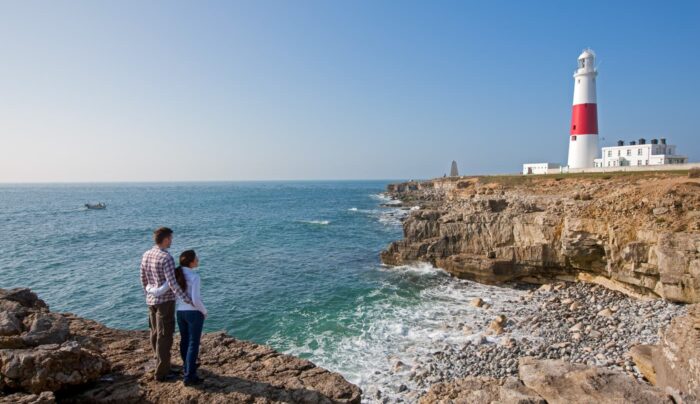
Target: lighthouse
[{"x": 583, "y": 137}]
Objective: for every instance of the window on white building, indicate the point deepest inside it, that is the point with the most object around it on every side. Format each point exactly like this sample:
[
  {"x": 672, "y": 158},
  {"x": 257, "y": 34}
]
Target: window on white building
[
  {"x": 618, "y": 153},
  {"x": 639, "y": 162},
  {"x": 609, "y": 153},
  {"x": 639, "y": 152},
  {"x": 629, "y": 152}
]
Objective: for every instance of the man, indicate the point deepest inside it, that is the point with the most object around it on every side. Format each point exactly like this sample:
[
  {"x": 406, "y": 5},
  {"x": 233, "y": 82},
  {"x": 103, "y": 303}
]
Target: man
[{"x": 158, "y": 266}]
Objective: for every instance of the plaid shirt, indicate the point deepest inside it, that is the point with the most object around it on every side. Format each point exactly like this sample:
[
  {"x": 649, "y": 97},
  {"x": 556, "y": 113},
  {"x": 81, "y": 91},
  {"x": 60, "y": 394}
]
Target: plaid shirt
[{"x": 158, "y": 266}]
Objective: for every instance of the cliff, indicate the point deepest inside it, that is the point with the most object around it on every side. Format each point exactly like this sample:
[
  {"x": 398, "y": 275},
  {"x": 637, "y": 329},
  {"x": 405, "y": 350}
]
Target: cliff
[
  {"x": 47, "y": 357},
  {"x": 634, "y": 232}
]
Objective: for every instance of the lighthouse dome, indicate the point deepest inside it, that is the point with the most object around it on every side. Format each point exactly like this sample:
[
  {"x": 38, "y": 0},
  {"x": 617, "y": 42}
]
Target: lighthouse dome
[{"x": 587, "y": 53}]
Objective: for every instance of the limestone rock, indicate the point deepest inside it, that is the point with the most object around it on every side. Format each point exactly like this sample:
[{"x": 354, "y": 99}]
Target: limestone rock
[
  {"x": 641, "y": 239},
  {"x": 476, "y": 302},
  {"x": 498, "y": 324},
  {"x": 49, "y": 367},
  {"x": 45, "y": 397},
  {"x": 548, "y": 381},
  {"x": 88, "y": 362},
  {"x": 606, "y": 312},
  {"x": 576, "y": 327},
  {"x": 563, "y": 382},
  {"x": 661, "y": 210},
  {"x": 642, "y": 355},
  {"x": 675, "y": 359},
  {"x": 481, "y": 390},
  {"x": 9, "y": 324}
]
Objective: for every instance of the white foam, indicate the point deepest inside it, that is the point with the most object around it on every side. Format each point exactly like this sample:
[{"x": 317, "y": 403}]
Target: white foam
[
  {"x": 385, "y": 199},
  {"x": 353, "y": 209},
  {"x": 417, "y": 311},
  {"x": 318, "y": 222}
]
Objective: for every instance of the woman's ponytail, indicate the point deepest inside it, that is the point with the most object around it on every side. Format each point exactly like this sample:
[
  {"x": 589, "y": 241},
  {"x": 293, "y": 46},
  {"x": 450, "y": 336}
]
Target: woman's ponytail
[
  {"x": 180, "y": 278},
  {"x": 186, "y": 258}
]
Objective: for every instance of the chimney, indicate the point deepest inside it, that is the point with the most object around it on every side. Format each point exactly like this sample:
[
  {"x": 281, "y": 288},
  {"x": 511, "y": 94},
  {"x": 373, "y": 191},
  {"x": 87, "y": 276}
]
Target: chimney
[
  {"x": 632, "y": 143},
  {"x": 663, "y": 140},
  {"x": 642, "y": 141},
  {"x": 654, "y": 141},
  {"x": 620, "y": 142}
]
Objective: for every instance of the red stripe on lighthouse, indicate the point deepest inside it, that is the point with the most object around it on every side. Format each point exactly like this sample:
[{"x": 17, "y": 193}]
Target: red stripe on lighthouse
[{"x": 584, "y": 120}]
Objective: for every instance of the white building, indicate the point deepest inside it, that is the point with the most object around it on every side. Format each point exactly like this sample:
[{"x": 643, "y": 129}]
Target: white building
[
  {"x": 639, "y": 153},
  {"x": 539, "y": 168}
]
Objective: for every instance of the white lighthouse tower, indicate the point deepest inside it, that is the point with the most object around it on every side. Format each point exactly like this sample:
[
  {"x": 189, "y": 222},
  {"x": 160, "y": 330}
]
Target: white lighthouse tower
[{"x": 583, "y": 139}]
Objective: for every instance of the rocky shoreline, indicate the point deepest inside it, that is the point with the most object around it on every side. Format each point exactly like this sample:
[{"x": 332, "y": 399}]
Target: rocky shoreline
[
  {"x": 47, "y": 357},
  {"x": 611, "y": 254},
  {"x": 574, "y": 322}
]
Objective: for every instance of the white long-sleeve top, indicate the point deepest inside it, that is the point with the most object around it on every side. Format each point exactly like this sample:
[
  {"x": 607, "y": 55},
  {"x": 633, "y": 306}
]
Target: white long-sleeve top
[{"x": 194, "y": 291}]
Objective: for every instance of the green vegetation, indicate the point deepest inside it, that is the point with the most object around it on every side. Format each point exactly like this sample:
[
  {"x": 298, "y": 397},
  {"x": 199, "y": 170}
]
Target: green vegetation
[{"x": 524, "y": 179}]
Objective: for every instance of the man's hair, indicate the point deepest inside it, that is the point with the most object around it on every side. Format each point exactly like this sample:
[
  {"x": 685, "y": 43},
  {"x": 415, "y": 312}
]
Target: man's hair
[{"x": 161, "y": 234}]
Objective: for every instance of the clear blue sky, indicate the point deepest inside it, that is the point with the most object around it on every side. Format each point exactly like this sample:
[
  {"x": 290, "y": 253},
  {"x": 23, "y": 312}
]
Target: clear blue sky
[{"x": 248, "y": 90}]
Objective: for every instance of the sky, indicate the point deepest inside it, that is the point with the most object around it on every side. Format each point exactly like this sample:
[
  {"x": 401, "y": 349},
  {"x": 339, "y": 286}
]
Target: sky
[{"x": 282, "y": 90}]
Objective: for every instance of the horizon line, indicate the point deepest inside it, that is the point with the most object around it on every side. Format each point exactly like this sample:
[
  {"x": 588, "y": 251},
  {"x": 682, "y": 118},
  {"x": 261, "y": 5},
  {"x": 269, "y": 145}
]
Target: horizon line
[{"x": 196, "y": 181}]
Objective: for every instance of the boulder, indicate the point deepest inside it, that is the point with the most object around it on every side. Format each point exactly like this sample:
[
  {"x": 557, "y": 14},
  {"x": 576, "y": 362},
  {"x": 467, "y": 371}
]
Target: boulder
[
  {"x": 46, "y": 328},
  {"x": 9, "y": 324},
  {"x": 481, "y": 390},
  {"x": 498, "y": 324},
  {"x": 676, "y": 358},
  {"x": 642, "y": 355},
  {"x": 558, "y": 381},
  {"x": 25, "y": 297},
  {"x": 49, "y": 367},
  {"x": 476, "y": 302},
  {"x": 606, "y": 312}
]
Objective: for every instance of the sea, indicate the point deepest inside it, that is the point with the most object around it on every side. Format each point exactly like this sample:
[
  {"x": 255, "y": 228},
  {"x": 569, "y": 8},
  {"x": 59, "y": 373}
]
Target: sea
[{"x": 293, "y": 265}]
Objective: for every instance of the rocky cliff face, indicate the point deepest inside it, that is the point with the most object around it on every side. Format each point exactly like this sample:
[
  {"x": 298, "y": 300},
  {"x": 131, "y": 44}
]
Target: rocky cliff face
[
  {"x": 47, "y": 356},
  {"x": 634, "y": 232}
]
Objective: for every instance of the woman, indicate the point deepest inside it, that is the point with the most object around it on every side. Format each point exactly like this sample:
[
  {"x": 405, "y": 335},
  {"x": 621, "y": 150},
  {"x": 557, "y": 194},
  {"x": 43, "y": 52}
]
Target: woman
[{"x": 190, "y": 318}]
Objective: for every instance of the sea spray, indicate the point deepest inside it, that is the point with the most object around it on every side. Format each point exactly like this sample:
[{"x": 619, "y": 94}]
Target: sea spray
[{"x": 416, "y": 311}]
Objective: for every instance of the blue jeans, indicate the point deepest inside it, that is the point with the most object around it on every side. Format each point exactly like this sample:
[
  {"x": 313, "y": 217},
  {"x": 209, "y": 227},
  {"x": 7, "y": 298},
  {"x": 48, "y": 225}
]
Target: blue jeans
[{"x": 190, "y": 323}]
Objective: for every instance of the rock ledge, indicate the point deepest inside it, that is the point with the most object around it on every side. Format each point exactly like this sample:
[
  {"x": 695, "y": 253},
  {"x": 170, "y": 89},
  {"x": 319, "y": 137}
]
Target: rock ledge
[{"x": 47, "y": 356}]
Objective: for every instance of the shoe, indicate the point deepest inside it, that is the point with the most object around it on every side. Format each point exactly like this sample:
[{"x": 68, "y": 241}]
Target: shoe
[
  {"x": 167, "y": 378},
  {"x": 193, "y": 382}
]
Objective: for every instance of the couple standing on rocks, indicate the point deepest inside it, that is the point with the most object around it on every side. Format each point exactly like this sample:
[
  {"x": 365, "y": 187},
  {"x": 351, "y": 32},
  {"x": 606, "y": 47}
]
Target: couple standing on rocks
[{"x": 168, "y": 290}]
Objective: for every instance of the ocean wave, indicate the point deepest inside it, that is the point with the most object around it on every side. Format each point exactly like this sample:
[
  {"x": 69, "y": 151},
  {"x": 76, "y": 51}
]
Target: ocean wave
[
  {"x": 418, "y": 268},
  {"x": 393, "y": 216},
  {"x": 389, "y": 333},
  {"x": 317, "y": 222},
  {"x": 385, "y": 199}
]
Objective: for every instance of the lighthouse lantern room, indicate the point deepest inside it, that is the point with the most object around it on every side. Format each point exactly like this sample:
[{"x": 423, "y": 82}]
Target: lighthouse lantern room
[{"x": 583, "y": 137}]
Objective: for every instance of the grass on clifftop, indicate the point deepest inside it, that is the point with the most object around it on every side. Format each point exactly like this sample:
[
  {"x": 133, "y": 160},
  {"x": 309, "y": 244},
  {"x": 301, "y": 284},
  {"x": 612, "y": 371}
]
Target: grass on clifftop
[{"x": 524, "y": 179}]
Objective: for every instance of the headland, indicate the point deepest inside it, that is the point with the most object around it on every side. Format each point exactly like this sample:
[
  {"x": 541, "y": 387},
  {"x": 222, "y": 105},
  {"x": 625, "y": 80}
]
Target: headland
[{"x": 612, "y": 261}]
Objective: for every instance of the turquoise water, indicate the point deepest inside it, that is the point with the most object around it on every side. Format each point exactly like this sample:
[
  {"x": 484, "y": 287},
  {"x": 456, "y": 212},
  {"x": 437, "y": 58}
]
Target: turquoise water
[{"x": 294, "y": 265}]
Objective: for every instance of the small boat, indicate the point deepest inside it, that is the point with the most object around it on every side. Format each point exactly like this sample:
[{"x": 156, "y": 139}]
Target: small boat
[{"x": 96, "y": 206}]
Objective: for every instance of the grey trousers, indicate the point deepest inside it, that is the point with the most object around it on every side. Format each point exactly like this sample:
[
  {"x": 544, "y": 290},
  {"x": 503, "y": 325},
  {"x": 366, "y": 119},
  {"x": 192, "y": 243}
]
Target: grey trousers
[{"x": 161, "y": 320}]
